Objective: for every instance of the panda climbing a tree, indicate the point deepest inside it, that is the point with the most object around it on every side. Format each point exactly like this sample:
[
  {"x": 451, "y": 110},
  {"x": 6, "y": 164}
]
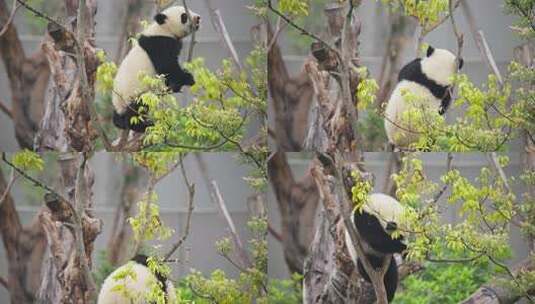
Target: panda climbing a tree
[
  {"x": 424, "y": 85},
  {"x": 380, "y": 216},
  {"x": 156, "y": 53}
]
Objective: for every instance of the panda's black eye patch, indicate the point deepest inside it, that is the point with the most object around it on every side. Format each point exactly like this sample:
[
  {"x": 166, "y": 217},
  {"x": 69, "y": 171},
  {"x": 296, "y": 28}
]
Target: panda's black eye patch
[
  {"x": 160, "y": 18},
  {"x": 184, "y": 18}
]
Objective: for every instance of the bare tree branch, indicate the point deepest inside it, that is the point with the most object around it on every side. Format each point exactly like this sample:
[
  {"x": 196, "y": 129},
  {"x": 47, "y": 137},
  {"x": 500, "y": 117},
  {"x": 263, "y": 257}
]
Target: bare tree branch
[
  {"x": 5, "y": 109},
  {"x": 481, "y": 42},
  {"x": 219, "y": 27},
  {"x": 191, "y": 194},
  {"x": 14, "y": 8},
  {"x": 217, "y": 199}
]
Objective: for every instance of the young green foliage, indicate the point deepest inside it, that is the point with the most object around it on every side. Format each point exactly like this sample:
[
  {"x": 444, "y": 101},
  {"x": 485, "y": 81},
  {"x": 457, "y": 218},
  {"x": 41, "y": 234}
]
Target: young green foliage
[{"x": 427, "y": 12}]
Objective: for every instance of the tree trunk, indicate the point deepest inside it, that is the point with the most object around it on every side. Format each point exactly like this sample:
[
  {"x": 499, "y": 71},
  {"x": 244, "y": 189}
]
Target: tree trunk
[
  {"x": 28, "y": 80},
  {"x": 297, "y": 202},
  {"x": 291, "y": 99},
  {"x": 67, "y": 123},
  {"x": 25, "y": 248},
  {"x": 71, "y": 230}
]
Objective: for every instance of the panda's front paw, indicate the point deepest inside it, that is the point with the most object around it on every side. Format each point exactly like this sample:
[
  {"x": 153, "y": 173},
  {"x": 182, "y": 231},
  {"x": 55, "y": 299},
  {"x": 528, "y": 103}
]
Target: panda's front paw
[{"x": 188, "y": 79}]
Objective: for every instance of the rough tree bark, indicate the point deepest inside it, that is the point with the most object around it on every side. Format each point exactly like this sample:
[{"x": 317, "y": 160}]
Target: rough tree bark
[
  {"x": 67, "y": 123},
  {"x": 330, "y": 275},
  {"x": 525, "y": 55},
  {"x": 28, "y": 80},
  {"x": 297, "y": 202},
  {"x": 334, "y": 129},
  {"x": 70, "y": 229},
  {"x": 25, "y": 248}
]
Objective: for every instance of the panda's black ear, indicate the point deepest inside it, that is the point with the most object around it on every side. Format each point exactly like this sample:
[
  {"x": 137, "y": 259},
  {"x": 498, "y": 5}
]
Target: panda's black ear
[
  {"x": 461, "y": 63},
  {"x": 430, "y": 51},
  {"x": 160, "y": 18}
]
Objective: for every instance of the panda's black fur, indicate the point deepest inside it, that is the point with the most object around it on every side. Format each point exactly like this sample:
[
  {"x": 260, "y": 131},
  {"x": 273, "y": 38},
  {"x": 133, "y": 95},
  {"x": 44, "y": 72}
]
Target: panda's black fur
[
  {"x": 161, "y": 44},
  {"x": 163, "y": 53},
  {"x": 372, "y": 232},
  {"x": 376, "y": 221}
]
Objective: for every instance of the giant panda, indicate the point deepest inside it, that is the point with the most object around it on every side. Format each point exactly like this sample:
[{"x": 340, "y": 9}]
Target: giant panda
[
  {"x": 380, "y": 216},
  {"x": 136, "y": 285},
  {"x": 156, "y": 53},
  {"x": 429, "y": 79}
]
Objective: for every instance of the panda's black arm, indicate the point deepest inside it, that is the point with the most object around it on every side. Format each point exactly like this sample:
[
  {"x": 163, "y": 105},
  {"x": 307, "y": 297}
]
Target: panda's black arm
[
  {"x": 163, "y": 53},
  {"x": 445, "y": 103}
]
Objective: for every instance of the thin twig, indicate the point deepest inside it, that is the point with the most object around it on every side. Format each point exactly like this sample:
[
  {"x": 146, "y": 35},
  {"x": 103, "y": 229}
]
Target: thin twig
[
  {"x": 449, "y": 164},
  {"x": 191, "y": 195},
  {"x": 298, "y": 27},
  {"x": 493, "y": 160},
  {"x": 12, "y": 180},
  {"x": 481, "y": 42},
  {"x": 5, "y": 109},
  {"x": 217, "y": 198},
  {"x": 219, "y": 26},
  {"x": 192, "y": 41},
  {"x": 277, "y": 235},
  {"x": 4, "y": 283},
  {"x": 31, "y": 179},
  {"x": 14, "y": 9},
  {"x": 512, "y": 275},
  {"x": 44, "y": 16}
]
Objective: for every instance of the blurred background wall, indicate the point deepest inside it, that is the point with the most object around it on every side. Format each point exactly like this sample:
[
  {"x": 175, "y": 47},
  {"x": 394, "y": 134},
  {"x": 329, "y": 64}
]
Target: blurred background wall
[{"x": 207, "y": 226}]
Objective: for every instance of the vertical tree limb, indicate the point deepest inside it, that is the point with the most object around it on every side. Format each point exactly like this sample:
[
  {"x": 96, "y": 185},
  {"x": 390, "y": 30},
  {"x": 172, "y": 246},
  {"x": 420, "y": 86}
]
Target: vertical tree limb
[
  {"x": 297, "y": 202},
  {"x": 24, "y": 247},
  {"x": 28, "y": 79}
]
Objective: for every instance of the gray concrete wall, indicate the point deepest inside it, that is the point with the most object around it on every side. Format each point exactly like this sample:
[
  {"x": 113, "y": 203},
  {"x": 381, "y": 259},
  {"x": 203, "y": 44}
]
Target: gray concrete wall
[{"x": 469, "y": 165}]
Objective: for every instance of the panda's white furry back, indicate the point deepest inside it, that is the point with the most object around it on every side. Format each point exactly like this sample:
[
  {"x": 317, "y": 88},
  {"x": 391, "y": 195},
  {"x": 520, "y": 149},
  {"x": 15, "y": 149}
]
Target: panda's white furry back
[
  {"x": 135, "y": 287},
  {"x": 155, "y": 53},
  {"x": 427, "y": 79}
]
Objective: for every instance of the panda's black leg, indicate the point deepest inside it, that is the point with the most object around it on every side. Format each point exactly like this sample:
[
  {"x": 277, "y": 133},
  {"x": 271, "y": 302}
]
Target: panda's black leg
[
  {"x": 391, "y": 280},
  {"x": 123, "y": 121},
  {"x": 120, "y": 120}
]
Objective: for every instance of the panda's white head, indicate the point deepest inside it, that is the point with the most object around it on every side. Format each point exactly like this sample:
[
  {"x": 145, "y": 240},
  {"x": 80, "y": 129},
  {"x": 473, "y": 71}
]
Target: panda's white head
[
  {"x": 388, "y": 211},
  {"x": 174, "y": 22},
  {"x": 440, "y": 65},
  {"x": 381, "y": 215}
]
